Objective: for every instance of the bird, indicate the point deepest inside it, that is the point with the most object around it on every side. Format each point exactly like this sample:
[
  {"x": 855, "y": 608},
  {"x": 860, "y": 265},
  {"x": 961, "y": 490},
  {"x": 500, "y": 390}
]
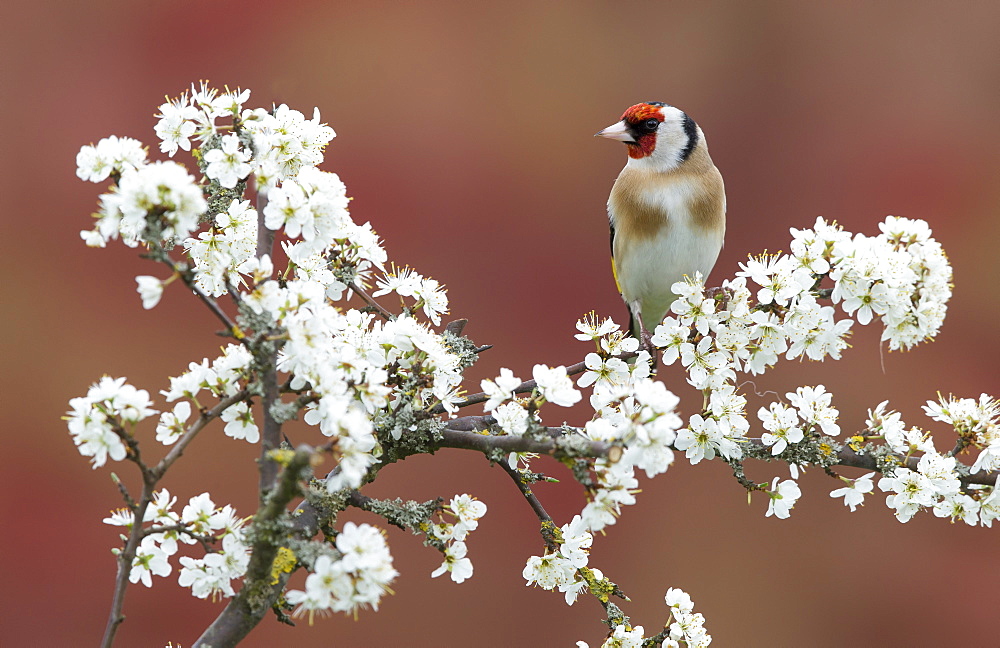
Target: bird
[{"x": 667, "y": 211}]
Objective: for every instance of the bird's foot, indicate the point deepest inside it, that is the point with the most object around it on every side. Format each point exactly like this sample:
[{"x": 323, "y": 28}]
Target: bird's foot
[{"x": 646, "y": 343}]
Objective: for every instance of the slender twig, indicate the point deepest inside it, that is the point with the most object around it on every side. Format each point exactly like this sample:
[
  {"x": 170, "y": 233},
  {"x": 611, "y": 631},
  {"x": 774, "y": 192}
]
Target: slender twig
[
  {"x": 234, "y": 293},
  {"x": 187, "y": 276},
  {"x": 305, "y": 399},
  {"x": 363, "y": 294},
  {"x": 848, "y": 457},
  {"x": 737, "y": 466},
  {"x": 408, "y": 516},
  {"x": 216, "y": 309},
  {"x": 205, "y": 541},
  {"x": 134, "y": 455},
  {"x": 961, "y": 444},
  {"x": 207, "y": 417},
  {"x": 124, "y": 560},
  {"x": 357, "y": 500},
  {"x": 129, "y": 502},
  {"x": 529, "y": 496},
  {"x": 548, "y": 527},
  {"x": 454, "y": 436},
  {"x": 168, "y": 528}
]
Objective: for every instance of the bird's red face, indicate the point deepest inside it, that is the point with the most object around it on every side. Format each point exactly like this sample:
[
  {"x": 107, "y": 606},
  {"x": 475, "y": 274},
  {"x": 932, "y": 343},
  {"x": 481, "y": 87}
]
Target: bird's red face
[
  {"x": 637, "y": 129},
  {"x": 643, "y": 119}
]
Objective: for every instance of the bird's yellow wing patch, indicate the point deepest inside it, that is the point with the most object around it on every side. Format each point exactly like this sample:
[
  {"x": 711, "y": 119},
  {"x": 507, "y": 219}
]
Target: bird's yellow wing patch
[{"x": 614, "y": 268}]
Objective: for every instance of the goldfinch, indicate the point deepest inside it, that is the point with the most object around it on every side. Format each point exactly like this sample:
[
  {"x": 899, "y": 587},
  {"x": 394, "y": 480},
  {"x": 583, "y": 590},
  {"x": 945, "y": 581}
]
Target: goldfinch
[{"x": 667, "y": 211}]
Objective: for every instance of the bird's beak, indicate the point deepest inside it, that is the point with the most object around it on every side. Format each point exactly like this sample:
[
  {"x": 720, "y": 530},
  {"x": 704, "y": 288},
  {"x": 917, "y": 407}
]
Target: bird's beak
[{"x": 618, "y": 132}]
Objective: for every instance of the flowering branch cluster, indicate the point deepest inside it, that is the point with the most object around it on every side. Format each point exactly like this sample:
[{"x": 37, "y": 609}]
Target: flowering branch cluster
[
  {"x": 199, "y": 521},
  {"x": 379, "y": 383},
  {"x": 683, "y": 627}
]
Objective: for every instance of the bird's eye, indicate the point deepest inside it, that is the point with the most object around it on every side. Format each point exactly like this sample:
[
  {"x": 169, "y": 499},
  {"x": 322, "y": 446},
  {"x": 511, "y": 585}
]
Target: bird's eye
[{"x": 651, "y": 124}]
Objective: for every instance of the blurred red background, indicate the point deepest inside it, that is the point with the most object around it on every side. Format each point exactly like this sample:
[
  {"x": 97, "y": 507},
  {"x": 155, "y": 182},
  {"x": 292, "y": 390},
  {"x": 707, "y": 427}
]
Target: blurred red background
[{"x": 465, "y": 138}]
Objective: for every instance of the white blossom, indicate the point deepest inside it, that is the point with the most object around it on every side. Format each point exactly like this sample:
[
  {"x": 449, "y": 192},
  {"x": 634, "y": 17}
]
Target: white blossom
[
  {"x": 910, "y": 492},
  {"x": 111, "y": 155},
  {"x": 468, "y": 510},
  {"x": 149, "y": 561},
  {"x": 239, "y": 423},
  {"x": 590, "y": 329},
  {"x": 455, "y": 563},
  {"x": 228, "y": 163},
  {"x": 854, "y": 493},
  {"x": 555, "y": 386},
  {"x": 172, "y": 424},
  {"x": 780, "y": 423},
  {"x": 501, "y": 389},
  {"x": 150, "y": 290},
  {"x": 783, "y": 495}
]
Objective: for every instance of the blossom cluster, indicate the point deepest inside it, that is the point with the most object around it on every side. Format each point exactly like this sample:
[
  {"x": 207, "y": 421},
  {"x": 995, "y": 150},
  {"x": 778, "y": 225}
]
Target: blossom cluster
[
  {"x": 560, "y": 569},
  {"x": 345, "y": 366},
  {"x": 810, "y": 412},
  {"x": 97, "y": 421},
  {"x": 344, "y": 358},
  {"x": 900, "y": 276},
  {"x": 312, "y": 207},
  {"x": 156, "y": 202},
  {"x": 638, "y": 415},
  {"x": 685, "y": 627},
  {"x": 199, "y": 521},
  {"x": 112, "y": 155},
  {"x": 977, "y": 422},
  {"x": 633, "y": 411},
  {"x": 467, "y": 510},
  {"x": 935, "y": 482},
  {"x": 715, "y": 340},
  {"x": 224, "y": 376},
  {"x": 426, "y": 292},
  {"x": 356, "y": 577},
  {"x": 226, "y": 250},
  {"x": 279, "y": 143}
]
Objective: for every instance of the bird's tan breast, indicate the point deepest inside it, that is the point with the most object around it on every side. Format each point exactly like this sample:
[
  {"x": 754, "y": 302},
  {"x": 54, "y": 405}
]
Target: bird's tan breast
[{"x": 644, "y": 205}]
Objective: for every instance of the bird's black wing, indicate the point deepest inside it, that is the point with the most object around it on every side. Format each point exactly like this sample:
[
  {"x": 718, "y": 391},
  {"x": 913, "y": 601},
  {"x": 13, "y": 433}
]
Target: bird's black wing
[{"x": 632, "y": 324}]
